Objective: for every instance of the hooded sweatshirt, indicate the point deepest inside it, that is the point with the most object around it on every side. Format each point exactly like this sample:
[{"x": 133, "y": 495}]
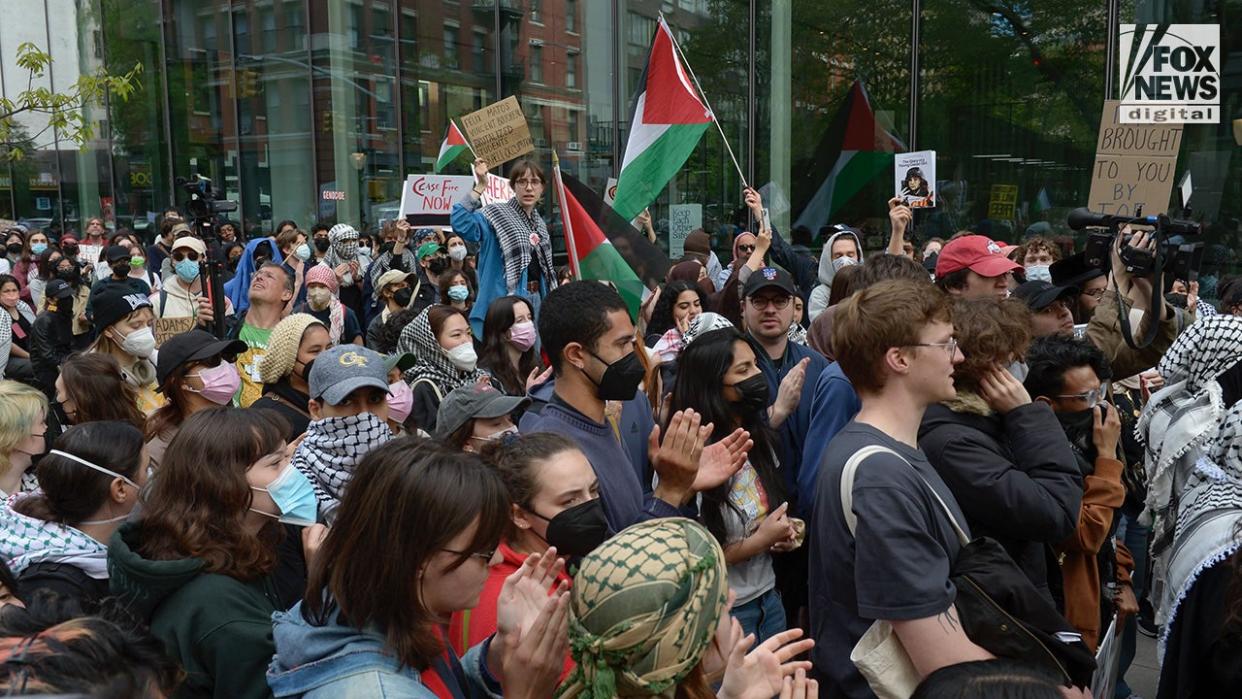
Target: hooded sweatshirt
[
  {"x": 336, "y": 660},
  {"x": 819, "y": 297},
  {"x": 219, "y": 628}
]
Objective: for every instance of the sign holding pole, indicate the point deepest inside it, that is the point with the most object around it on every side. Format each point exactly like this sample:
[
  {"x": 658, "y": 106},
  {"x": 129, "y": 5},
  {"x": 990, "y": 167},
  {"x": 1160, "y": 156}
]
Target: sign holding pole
[
  {"x": 498, "y": 132},
  {"x": 1133, "y": 165}
]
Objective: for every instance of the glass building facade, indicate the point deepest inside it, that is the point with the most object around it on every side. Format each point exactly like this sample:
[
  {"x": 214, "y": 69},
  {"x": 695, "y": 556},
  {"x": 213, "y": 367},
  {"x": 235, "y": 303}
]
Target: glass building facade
[{"x": 316, "y": 110}]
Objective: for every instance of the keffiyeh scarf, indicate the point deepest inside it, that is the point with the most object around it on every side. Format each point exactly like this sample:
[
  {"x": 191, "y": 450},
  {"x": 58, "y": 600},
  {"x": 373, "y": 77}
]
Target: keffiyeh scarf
[
  {"x": 343, "y": 249},
  {"x": 644, "y": 607},
  {"x": 433, "y": 365},
  {"x": 28, "y": 541},
  {"x": 331, "y": 451},
  {"x": 520, "y": 235}
]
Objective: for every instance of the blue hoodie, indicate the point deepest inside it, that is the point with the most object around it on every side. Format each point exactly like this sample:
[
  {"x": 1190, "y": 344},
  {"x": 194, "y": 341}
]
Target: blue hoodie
[
  {"x": 238, "y": 288},
  {"x": 834, "y": 404},
  {"x": 329, "y": 661}
]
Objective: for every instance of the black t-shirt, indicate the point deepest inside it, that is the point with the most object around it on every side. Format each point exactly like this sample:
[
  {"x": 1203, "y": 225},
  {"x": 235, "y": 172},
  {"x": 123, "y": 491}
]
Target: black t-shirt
[
  {"x": 21, "y": 331},
  {"x": 895, "y": 567}
]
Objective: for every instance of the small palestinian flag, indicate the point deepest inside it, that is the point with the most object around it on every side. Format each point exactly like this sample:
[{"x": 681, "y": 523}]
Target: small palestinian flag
[{"x": 454, "y": 145}]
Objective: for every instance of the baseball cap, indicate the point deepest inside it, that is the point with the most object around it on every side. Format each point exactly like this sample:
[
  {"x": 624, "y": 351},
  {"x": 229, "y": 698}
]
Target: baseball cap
[
  {"x": 978, "y": 253},
  {"x": 474, "y": 401},
  {"x": 341, "y": 370},
  {"x": 426, "y": 249},
  {"x": 769, "y": 277},
  {"x": 181, "y": 229},
  {"x": 193, "y": 346},
  {"x": 392, "y": 276},
  {"x": 68, "y": 240},
  {"x": 399, "y": 360},
  {"x": 1039, "y": 294},
  {"x": 116, "y": 253},
  {"x": 113, "y": 302},
  {"x": 189, "y": 242},
  {"x": 1073, "y": 271},
  {"x": 58, "y": 289}
]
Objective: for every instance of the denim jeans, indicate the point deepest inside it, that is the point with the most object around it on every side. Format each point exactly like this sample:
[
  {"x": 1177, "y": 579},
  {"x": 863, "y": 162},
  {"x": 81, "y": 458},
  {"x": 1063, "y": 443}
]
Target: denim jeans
[
  {"x": 1135, "y": 537},
  {"x": 763, "y": 616}
]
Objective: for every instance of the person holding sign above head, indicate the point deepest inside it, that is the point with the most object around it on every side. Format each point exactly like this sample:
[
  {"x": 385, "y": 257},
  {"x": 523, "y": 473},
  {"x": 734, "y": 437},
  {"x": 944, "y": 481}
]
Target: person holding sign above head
[{"x": 515, "y": 250}]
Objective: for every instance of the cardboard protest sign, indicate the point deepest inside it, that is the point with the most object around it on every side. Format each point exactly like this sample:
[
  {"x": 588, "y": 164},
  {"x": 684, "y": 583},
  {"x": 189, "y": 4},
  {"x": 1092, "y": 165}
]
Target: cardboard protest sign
[
  {"x": 682, "y": 219},
  {"x": 1003, "y": 202},
  {"x": 166, "y": 328},
  {"x": 1133, "y": 165},
  {"x": 430, "y": 198},
  {"x": 914, "y": 178},
  {"x": 498, "y": 132}
]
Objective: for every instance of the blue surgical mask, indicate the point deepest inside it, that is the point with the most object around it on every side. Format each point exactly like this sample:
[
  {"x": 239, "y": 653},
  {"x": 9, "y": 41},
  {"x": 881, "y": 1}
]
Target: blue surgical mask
[
  {"x": 38, "y": 248},
  {"x": 1041, "y": 273},
  {"x": 187, "y": 270},
  {"x": 459, "y": 292},
  {"x": 294, "y": 496},
  {"x": 303, "y": 252}
]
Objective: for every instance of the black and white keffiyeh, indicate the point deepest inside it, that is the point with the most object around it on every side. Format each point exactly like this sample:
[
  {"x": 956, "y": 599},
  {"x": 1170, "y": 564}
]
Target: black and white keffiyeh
[
  {"x": 433, "y": 364},
  {"x": 520, "y": 235},
  {"x": 344, "y": 248},
  {"x": 331, "y": 451}
]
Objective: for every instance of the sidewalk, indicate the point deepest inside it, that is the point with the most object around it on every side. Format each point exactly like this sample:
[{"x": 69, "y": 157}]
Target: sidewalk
[{"x": 1144, "y": 674}]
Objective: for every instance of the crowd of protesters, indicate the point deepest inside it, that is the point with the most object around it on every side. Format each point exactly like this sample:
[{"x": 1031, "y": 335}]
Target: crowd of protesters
[{"x": 428, "y": 464}]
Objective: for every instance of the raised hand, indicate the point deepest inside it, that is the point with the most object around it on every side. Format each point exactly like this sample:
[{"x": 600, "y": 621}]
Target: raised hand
[
  {"x": 524, "y": 593},
  {"x": 789, "y": 394},
  {"x": 1002, "y": 391},
  {"x": 533, "y": 662},
  {"x": 537, "y": 377},
  {"x": 480, "y": 171},
  {"x": 762, "y": 673},
  {"x": 675, "y": 458},
  {"x": 722, "y": 459}
]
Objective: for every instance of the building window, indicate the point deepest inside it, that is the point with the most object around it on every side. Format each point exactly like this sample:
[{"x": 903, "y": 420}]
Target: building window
[
  {"x": 450, "y": 47},
  {"x": 536, "y": 10},
  {"x": 641, "y": 30},
  {"x": 424, "y": 106},
  {"x": 295, "y": 21},
  {"x": 571, "y": 70},
  {"x": 480, "y": 45},
  {"x": 536, "y": 64},
  {"x": 571, "y": 15},
  {"x": 267, "y": 17}
]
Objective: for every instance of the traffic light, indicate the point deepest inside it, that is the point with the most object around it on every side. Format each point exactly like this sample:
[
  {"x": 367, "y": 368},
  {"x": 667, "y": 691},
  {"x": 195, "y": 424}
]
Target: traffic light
[
  {"x": 247, "y": 83},
  {"x": 327, "y": 121}
]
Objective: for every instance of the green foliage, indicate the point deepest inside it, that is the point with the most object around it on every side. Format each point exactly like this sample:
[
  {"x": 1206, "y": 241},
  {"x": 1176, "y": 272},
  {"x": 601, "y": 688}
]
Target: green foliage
[{"x": 65, "y": 111}]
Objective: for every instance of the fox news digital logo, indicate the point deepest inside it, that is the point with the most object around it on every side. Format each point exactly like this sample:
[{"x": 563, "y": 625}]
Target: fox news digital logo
[{"x": 1170, "y": 73}]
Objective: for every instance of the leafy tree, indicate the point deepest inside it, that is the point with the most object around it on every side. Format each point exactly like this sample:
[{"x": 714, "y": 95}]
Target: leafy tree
[{"x": 65, "y": 111}]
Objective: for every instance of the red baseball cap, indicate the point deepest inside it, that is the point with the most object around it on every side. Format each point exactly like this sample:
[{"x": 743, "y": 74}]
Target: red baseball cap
[{"x": 978, "y": 253}]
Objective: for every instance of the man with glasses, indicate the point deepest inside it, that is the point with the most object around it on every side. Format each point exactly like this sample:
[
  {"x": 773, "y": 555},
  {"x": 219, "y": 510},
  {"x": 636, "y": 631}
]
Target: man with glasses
[
  {"x": 1072, "y": 376},
  {"x": 1050, "y": 307},
  {"x": 182, "y": 295}
]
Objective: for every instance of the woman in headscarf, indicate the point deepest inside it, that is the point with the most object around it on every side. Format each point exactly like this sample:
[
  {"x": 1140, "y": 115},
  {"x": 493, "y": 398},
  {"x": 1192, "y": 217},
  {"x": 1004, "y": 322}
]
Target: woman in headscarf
[
  {"x": 515, "y": 250},
  {"x": 350, "y": 269},
  {"x": 1191, "y": 432},
  {"x": 440, "y": 339},
  {"x": 644, "y": 609},
  {"x": 743, "y": 246}
]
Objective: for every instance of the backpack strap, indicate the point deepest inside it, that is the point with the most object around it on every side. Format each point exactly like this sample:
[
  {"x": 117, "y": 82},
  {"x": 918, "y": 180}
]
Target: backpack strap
[
  {"x": 847, "y": 489},
  {"x": 434, "y": 387}
]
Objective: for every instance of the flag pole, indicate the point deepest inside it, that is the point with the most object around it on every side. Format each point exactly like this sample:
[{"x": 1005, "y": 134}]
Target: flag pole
[
  {"x": 703, "y": 95},
  {"x": 568, "y": 228}
]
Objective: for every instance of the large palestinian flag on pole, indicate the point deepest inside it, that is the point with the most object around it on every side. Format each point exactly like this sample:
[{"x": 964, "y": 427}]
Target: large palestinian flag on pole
[
  {"x": 452, "y": 148},
  {"x": 859, "y": 149},
  {"x": 591, "y": 254},
  {"x": 667, "y": 123}
]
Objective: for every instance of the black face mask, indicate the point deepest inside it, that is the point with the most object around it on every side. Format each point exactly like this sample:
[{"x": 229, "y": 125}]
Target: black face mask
[
  {"x": 754, "y": 394},
  {"x": 322, "y": 244},
  {"x": 579, "y": 530},
  {"x": 120, "y": 269},
  {"x": 403, "y": 297},
  {"x": 14, "y": 248},
  {"x": 71, "y": 275},
  {"x": 438, "y": 265},
  {"x": 70, "y": 250},
  {"x": 621, "y": 378},
  {"x": 1079, "y": 428},
  {"x": 387, "y": 247}
]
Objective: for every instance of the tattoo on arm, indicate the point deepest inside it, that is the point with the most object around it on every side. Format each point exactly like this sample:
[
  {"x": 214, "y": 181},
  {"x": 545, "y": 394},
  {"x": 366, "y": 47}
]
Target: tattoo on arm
[{"x": 948, "y": 621}]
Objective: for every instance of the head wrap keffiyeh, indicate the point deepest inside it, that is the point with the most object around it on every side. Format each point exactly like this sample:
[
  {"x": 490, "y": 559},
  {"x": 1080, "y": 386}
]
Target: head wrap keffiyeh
[
  {"x": 433, "y": 364},
  {"x": 644, "y": 608},
  {"x": 344, "y": 248}
]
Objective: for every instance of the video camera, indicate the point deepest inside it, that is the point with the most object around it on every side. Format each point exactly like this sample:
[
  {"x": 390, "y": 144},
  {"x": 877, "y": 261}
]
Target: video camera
[
  {"x": 204, "y": 203},
  {"x": 1177, "y": 260}
]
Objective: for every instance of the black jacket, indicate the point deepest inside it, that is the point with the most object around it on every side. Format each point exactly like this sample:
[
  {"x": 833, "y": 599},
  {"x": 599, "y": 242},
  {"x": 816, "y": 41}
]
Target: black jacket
[
  {"x": 1014, "y": 476},
  {"x": 290, "y": 403},
  {"x": 51, "y": 342}
]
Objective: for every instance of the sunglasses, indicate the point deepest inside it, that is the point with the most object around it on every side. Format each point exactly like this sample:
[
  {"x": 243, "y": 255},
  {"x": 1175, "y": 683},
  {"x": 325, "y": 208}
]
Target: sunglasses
[{"x": 178, "y": 256}]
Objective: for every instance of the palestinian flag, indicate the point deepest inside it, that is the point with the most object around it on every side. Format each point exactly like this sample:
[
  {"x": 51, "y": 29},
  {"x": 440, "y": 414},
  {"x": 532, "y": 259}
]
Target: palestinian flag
[
  {"x": 643, "y": 256},
  {"x": 860, "y": 151},
  {"x": 591, "y": 254},
  {"x": 667, "y": 123},
  {"x": 454, "y": 145}
]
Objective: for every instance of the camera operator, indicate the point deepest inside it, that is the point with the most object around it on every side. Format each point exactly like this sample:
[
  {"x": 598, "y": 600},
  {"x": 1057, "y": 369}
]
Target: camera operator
[{"x": 1135, "y": 294}]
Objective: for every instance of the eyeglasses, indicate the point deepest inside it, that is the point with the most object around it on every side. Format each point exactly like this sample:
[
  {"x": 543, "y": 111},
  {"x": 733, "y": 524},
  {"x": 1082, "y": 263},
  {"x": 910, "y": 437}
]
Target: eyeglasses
[
  {"x": 780, "y": 303},
  {"x": 746, "y": 248},
  {"x": 1096, "y": 294},
  {"x": 1093, "y": 397},
  {"x": 486, "y": 556},
  {"x": 950, "y": 346},
  {"x": 527, "y": 183},
  {"x": 179, "y": 256}
]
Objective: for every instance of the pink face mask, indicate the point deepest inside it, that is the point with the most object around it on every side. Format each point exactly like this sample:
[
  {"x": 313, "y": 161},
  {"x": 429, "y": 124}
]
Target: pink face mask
[
  {"x": 220, "y": 383},
  {"x": 400, "y": 401},
  {"x": 522, "y": 335}
]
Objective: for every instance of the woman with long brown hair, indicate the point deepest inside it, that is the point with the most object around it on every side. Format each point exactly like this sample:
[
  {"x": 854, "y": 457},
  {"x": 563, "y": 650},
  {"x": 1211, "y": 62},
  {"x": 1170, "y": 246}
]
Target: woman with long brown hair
[
  {"x": 90, "y": 388},
  {"x": 195, "y": 372},
  {"x": 509, "y": 338},
  {"x": 377, "y": 606},
  {"x": 199, "y": 566}
]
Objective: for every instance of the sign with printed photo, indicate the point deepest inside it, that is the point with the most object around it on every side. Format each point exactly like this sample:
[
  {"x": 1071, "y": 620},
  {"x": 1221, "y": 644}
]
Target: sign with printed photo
[{"x": 914, "y": 179}]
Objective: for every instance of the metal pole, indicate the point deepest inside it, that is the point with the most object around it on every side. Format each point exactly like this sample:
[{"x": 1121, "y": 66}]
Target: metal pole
[
  {"x": 1110, "y": 48},
  {"x": 168, "y": 135},
  {"x": 916, "y": 9}
]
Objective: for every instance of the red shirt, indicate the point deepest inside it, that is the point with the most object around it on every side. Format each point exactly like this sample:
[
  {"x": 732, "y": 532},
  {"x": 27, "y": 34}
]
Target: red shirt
[{"x": 472, "y": 626}]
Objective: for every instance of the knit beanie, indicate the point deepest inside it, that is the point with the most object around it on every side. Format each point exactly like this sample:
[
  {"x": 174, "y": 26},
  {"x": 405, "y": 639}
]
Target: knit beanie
[
  {"x": 282, "y": 346},
  {"x": 322, "y": 274}
]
